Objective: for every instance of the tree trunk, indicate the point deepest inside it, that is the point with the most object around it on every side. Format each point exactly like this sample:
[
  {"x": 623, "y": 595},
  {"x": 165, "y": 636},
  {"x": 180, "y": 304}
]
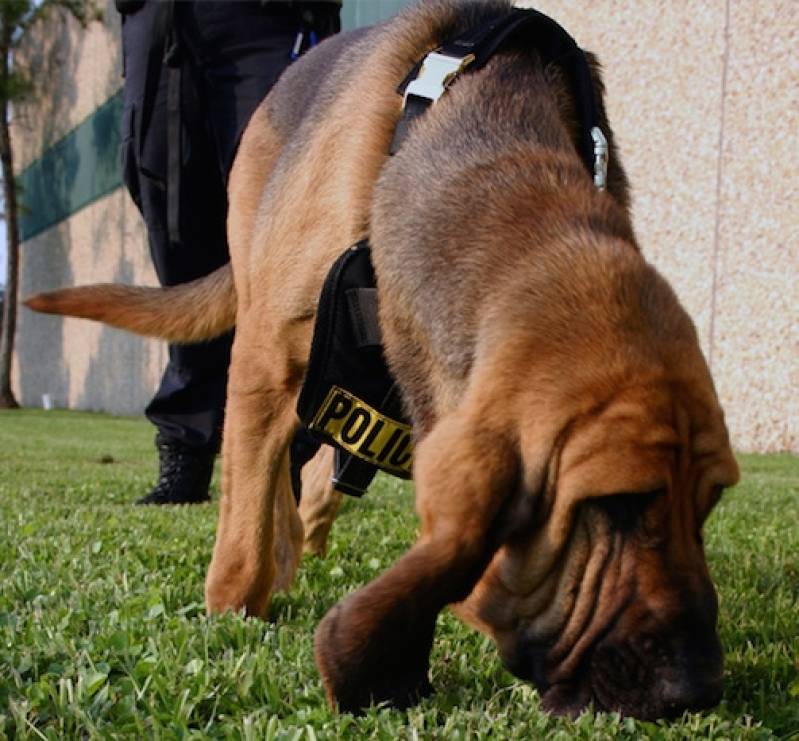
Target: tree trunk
[{"x": 9, "y": 325}]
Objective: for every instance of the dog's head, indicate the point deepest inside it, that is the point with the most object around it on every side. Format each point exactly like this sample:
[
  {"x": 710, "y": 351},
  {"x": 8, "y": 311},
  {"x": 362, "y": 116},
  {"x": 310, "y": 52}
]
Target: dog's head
[{"x": 601, "y": 593}]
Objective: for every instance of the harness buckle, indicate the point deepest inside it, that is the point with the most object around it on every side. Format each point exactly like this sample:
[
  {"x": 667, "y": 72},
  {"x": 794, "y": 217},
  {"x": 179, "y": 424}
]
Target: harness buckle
[
  {"x": 600, "y": 158},
  {"x": 437, "y": 73}
]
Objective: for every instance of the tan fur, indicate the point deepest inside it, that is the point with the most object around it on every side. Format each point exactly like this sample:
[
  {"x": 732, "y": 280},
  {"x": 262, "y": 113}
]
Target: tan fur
[
  {"x": 320, "y": 502},
  {"x": 190, "y": 312},
  {"x": 569, "y": 443}
]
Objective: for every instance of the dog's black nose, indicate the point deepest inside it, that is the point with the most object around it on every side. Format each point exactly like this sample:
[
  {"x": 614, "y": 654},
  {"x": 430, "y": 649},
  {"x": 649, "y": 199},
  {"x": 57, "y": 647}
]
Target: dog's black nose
[
  {"x": 691, "y": 675},
  {"x": 692, "y": 694},
  {"x": 659, "y": 675}
]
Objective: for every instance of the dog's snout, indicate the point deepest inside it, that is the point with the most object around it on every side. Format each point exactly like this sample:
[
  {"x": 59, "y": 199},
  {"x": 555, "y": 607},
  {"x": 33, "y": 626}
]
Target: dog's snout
[
  {"x": 659, "y": 674},
  {"x": 692, "y": 679},
  {"x": 620, "y": 667},
  {"x": 692, "y": 693}
]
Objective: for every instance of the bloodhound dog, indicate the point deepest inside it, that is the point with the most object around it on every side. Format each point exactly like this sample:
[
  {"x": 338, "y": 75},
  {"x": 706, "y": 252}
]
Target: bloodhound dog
[{"x": 569, "y": 443}]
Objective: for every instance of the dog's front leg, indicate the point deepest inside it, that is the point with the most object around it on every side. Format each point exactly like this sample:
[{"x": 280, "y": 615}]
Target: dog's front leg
[
  {"x": 259, "y": 423},
  {"x": 374, "y": 645}
]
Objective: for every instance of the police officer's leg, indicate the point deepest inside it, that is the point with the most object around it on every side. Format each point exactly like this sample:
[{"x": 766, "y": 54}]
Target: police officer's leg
[{"x": 188, "y": 405}]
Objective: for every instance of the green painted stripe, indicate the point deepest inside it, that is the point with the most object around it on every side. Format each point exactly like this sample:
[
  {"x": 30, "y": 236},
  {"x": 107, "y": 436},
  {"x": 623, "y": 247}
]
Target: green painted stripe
[
  {"x": 79, "y": 169},
  {"x": 83, "y": 166},
  {"x": 366, "y": 12}
]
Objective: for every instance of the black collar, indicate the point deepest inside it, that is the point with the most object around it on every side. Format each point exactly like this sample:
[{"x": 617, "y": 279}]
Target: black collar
[{"x": 438, "y": 70}]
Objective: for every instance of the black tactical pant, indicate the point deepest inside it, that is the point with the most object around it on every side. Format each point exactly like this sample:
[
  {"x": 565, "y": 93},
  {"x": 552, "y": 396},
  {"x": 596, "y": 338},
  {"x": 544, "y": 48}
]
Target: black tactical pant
[{"x": 229, "y": 54}]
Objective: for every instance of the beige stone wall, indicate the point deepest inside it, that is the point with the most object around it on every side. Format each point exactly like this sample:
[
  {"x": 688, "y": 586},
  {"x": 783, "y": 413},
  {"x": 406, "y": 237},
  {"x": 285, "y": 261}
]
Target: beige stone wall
[
  {"x": 82, "y": 365},
  {"x": 704, "y": 99},
  {"x": 85, "y": 365},
  {"x": 75, "y": 71}
]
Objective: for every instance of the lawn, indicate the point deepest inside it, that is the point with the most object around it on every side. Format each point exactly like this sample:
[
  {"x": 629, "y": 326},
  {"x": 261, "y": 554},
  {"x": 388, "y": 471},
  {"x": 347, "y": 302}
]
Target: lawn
[{"x": 103, "y": 631}]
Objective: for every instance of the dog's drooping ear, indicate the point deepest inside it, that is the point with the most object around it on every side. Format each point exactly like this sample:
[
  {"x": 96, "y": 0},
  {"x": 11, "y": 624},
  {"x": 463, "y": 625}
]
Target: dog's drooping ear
[{"x": 374, "y": 646}]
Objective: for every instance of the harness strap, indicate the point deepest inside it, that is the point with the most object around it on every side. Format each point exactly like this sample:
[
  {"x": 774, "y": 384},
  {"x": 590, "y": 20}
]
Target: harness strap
[
  {"x": 434, "y": 74},
  {"x": 362, "y": 304}
]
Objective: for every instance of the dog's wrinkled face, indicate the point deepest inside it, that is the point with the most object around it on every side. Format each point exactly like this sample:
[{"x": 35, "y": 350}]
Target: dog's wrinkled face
[{"x": 604, "y": 596}]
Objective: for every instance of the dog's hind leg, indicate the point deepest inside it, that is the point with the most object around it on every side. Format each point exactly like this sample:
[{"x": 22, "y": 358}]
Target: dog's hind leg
[
  {"x": 320, "y": 502},
  {"x": 288, "y": 533},
  {"x": 375, "y": 644}
]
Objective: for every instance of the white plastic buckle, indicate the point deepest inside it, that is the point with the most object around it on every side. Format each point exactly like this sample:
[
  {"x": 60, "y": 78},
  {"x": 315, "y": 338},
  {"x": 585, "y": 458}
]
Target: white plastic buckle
[
  {"x": 600, "y": 158},
  {"x": 438, "y": 72}
]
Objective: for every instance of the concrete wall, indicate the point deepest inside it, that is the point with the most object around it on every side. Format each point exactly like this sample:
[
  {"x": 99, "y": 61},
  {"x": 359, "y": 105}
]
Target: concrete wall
[
  {"x": 704, "y": 99},
  {"x": 82, "y": 365}
]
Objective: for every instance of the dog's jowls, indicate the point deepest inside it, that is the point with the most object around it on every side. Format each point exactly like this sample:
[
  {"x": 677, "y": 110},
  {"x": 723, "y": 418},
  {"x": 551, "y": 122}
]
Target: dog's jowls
[{"x": 569, "y": 440}]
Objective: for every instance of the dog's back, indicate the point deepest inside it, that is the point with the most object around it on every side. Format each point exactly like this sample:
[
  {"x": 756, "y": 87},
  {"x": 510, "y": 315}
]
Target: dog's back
[
  {"x": 493, "y": 156},
  {"x": 501, "y": 144},
  {"x": 484, "y": 192}
]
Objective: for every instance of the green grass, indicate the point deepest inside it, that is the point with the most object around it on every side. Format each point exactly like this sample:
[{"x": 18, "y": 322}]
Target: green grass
[{"x": 103, "y": 631}]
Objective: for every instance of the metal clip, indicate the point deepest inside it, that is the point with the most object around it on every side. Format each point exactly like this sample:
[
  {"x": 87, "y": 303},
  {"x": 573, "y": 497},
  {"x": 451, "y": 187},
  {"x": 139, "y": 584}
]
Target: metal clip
[
  {"x": 600, "y": 158},
  {"x": 296, "y": 50},
  {"x": 438, "y": 72}
]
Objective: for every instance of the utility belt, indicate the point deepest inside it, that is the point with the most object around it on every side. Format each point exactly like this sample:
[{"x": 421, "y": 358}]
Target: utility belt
[{"x": 349, "y": 398}]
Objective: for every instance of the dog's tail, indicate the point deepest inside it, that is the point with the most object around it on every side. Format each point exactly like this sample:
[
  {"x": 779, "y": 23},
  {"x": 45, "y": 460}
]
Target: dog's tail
[{"x": 189, "y": 312}]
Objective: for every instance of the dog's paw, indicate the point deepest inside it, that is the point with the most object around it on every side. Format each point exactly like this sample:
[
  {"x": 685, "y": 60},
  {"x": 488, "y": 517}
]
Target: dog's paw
[
  {"x": 362, "y": 664},
  {"x": 237, "y": 590}
]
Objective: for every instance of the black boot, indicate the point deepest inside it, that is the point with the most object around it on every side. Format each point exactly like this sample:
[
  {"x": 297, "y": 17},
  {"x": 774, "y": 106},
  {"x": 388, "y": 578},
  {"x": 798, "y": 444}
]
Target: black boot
[{"x": 184, "y": 474}]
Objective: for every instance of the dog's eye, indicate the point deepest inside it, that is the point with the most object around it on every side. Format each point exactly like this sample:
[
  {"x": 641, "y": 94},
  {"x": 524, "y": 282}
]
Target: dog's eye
[{"x": 627, "y": 511}]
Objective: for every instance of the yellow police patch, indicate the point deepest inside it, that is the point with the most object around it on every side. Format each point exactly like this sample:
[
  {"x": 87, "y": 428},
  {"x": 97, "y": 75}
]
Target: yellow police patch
[{"x": 365, "y": 432}]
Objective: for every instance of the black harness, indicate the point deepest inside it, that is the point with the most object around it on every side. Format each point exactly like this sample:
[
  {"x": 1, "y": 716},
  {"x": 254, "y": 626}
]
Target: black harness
[{"x": 349, "y": 398}]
